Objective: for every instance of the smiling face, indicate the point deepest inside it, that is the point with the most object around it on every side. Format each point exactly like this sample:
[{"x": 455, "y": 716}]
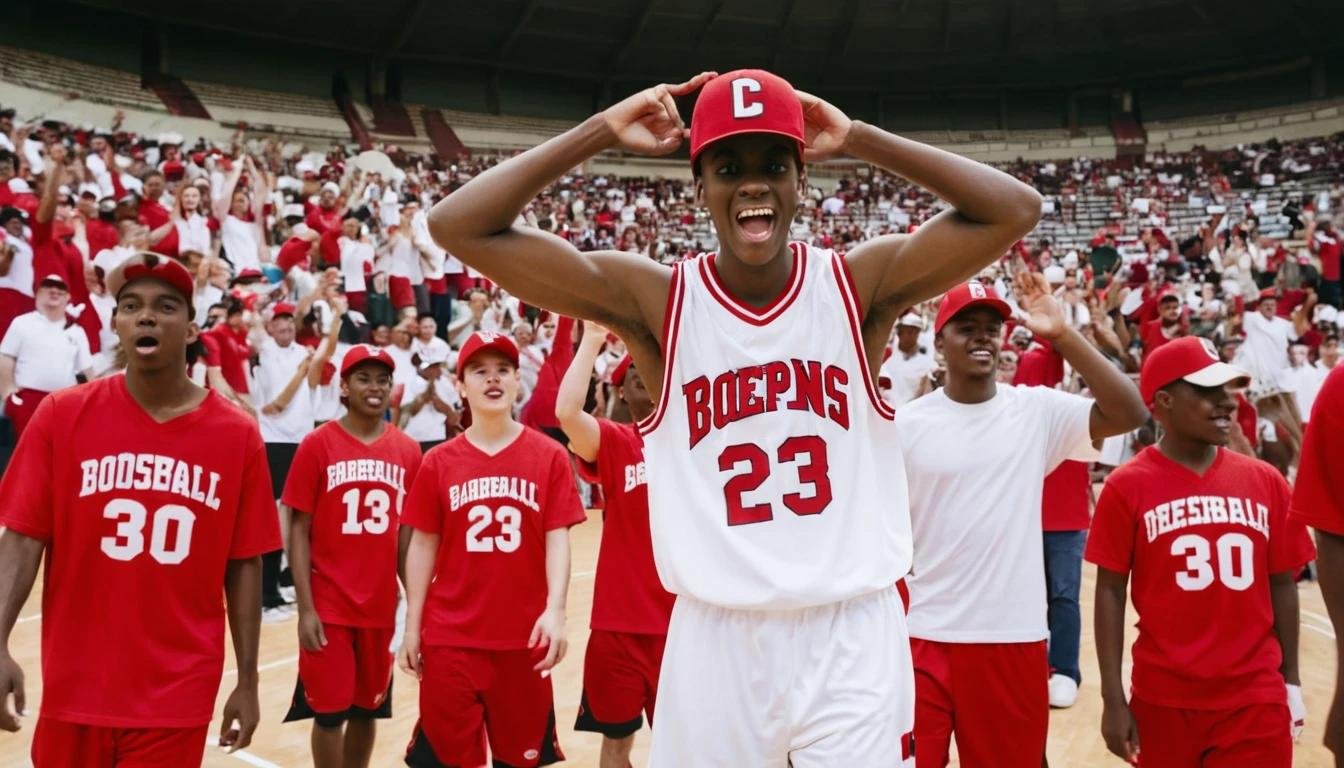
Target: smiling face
[
  {"x": 751, "y": 186},
  {"x": 367, "y": 388},
  {"x": 1197, "y": 413},
  {"x": 970, "y": 342},
  {"x": 153, "y": 322},
  {"x": 489, "y": 383}
]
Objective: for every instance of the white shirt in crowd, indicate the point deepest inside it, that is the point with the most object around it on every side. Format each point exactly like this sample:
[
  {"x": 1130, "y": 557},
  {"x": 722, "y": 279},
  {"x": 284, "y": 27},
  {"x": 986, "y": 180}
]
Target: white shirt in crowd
[
  {"x": 428, "y": 423},
  {"x": 1265, "y": 351},
  {"x": 239, "y": 239},
  {"x": 405, "y": 260},
  {"x": 326, "y": 398},
  {"x": 193, "y": 234},
  {"x": 1304, "y": 381},
  {"x": 109, "y": 259},
  {"x": 405, "y": 369},
  {"x": 354, "y": 255},
  {"x": 47, "y": 354},
  {"x": 976, "y": 514},
  {"x": 108, "y": 340},
  {"x": 439, "y": 261},
  {"x": 434, "y": 349},
  {"x": 905, "y": 374},
  {"x": 20, "y": 275},
  {"x": 276, "y": 366}
]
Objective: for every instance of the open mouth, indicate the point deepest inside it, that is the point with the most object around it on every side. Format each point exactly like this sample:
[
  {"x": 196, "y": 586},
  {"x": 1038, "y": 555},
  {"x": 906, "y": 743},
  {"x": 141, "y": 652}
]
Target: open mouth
[
  {"x": 146, "y": 345},
  {"x": 756, "y": 223},
  {"x": 984, "y": 355},
  {"x": 494, "y": 393},
  {"x": 1222, "y": 423}
]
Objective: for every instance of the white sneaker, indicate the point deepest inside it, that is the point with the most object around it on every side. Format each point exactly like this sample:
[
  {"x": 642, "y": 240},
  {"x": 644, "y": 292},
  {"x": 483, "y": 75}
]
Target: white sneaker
[
  {"x": 276, "y": 615},
  {"x": 288, "y": 593},
  {"x": 1063, "y": 691}
]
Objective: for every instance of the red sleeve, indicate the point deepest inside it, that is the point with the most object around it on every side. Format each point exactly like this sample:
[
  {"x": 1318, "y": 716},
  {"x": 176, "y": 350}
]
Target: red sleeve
[
  {"x": 211, "y": 349},
  {"x": 256, "y": 529},
  {"x": 562, "y": 350},
  {"x": 26, "y": 484},
  {"x": 303, "y": 483},
  {"x": 313, "y": 220},
  {"x": 42, "y": 231},
  {"x": 1290, "y": 545},
  {"x": 168, "y": 245},
  {"x": 563, "y": 507},
  {"x": 1318, "y": 499},
  {"x": 118, "y": 191},
  {"x": 607, "y": 435},
  {"x": 423, "y": 510},
  {"x": 330, "y": 248},
  {"x": 1110, "y": 544}
]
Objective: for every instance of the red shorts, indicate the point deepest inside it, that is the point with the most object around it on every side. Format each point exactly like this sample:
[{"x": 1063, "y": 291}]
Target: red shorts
[
  {"x": 58, "y": 744},
  {"x": 995, "y": 697},
  {"x": 358, "y": 300},
  {"x": 436, "y": 285},
  {"x": 1253, "y": 736},
  {"x": 20, "y": 407},
  {"x": 465, "y": 689},
  {"x": 620, "y": 680},
  {"x": 400, "y": 291},
  {"x": 352, "y": 671}
]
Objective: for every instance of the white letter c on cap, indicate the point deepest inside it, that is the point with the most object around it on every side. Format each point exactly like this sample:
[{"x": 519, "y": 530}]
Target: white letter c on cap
[{"x": 740, "y": 106}]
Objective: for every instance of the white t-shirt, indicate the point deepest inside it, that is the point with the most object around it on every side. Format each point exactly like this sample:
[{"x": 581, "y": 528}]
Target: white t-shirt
[
  {"x": 905, "y": 374},
  {"x": 354, "y": 255},
  {"x": 239, "y": 239},
  {"x": 428, "y": 424},
  {"x": 405, "y": 370},
  {"x": 103, "y": 304},
  {"x": 1265, "y": 351},
  {"x": 1305, "y": 383},
  {"x": 193, "y": 234},
  {"x": 434, "y": 347},
  {"x": 47, "y": 353},
  {"x": 406, "y": 261},
  {"x": 20, "y": 275},
  {"x": 975, "y": 474},
  {"x": 275, "y": 367}
]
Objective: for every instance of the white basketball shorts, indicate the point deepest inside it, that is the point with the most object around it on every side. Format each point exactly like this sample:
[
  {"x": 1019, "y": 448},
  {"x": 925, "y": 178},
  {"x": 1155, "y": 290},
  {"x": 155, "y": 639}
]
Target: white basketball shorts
[{"x": 815, "y": 687}]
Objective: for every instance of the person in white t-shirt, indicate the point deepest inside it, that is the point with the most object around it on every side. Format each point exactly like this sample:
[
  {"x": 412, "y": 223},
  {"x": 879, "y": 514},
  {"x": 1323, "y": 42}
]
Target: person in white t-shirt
[
  {"x": 909, "y": 364},
  {"x": 41, "y": 352},
  {"x": 1265, "y": 351},
  {"x": 240, "y": 228},
  {"x": 16, "y": 268},
  {"x": 430, "y": 405},
  {"x": 427, "y": 343},
  {"x": 976, "y": 456},
  {"x": 406, "y": 276},
  {"x": 356, "y": 254},
  {"x": 1302, "y": 379}
]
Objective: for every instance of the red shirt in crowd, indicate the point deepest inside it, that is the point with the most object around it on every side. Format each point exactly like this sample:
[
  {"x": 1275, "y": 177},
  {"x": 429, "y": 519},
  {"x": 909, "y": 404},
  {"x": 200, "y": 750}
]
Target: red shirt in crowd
[
  {"x": 322, "y": 220},
  {"x": 152, "y": 214},
  {"x": 1064, "y": 499},
  {"x": 539, "y": 412},
  {"x": 492, "y": 514},
  {"x": 1327, "y": 246},
  {"x": 1201, "y": 549},
  {"x": 1040, "y": 366},
  {"x": 1152, "y": 336},
  {"x": 54, "y": 254},
  {"x": 226, "y": 350},
  {"x": 354, "y": 493},
  {"x": 627, "y": 594},
  {"x": 140, "y": 520},
  {"x": 1318, "y": 497},
  {"x": 102, "y": 235}
]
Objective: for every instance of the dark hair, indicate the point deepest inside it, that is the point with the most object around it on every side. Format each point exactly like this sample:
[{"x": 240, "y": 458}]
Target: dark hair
[
  {"x": 424, "y": 315},
  {"x": 155, "y": 172}
]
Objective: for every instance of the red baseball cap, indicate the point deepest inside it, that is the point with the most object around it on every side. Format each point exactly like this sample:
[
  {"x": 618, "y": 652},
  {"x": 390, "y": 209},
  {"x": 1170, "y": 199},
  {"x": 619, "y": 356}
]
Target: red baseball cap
[
  {"x": 483, "y": 340},
  {"x": 1189, "y": 358},
  {"x": 972, "y": 294},
  {"x": 618, "y": 373},
  {"x": 146, "y": 265},
  {"x": 745, "y": 101},
  {"x": 283, "y": 308},
  {"x": 364, "y": 353}
]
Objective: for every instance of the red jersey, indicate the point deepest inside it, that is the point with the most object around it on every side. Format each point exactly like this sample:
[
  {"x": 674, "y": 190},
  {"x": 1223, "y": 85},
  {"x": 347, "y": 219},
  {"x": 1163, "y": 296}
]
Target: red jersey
[
  {"x": 152, "y": 214},
  {"x": 1201, "y": 550},
  {"x": 354, "y": 492},
  {"x": 1064, "y": 498},
  {"x": 322, "y": 220},
  {"x": 492, "y": 514},
  {"x": 1152, "y": 336},
  {"x": 1318, "y": 498},
  {"x": 627, "y": 594},
  {"x": 140, "y": 519}
]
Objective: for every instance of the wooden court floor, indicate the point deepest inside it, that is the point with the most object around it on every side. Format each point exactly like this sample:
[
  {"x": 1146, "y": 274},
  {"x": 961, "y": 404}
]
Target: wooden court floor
[{"x": 1075, "y": 741}]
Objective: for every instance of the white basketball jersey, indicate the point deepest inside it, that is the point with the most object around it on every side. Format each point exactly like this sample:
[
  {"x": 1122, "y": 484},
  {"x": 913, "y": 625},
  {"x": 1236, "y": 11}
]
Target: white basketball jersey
[{"x": 775, "y": 475}]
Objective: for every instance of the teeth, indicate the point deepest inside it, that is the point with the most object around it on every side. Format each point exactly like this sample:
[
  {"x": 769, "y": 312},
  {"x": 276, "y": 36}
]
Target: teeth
[{"x": 747, "y": 212}]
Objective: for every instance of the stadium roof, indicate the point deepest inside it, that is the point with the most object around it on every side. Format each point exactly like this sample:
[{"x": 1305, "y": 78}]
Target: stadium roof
[{"x": 831, "y": 46}]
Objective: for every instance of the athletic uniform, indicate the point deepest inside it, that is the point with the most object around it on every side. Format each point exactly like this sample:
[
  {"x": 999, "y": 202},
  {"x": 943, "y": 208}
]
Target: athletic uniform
[
  {"x": 1207, "y": 689},
  {"x": 630, "y": 607},
  {"x": 492, "y": 513},
  {"x": 354, "y": 492},
  {"x": 1318, "y": 496},
  {"x": 140, "y": 519},
  {"x": 977, "y": 587},
  {"x": 777, "y": 505}
]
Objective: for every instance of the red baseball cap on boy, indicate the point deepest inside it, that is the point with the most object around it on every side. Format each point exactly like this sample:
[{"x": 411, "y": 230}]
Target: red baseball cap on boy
[
  {"x": 152, "y": 265},
  {"x": 483, "y": 340},
  {"x": 974, "y": 293},
  {"x": 363, "y": 353},
  {"x": 745, "y": 101},
  {"x": 1190, "y": 358}
]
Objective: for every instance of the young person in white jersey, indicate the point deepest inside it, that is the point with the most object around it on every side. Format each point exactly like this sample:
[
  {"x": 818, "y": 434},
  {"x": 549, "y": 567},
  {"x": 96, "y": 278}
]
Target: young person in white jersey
[
  {"x": 776, "y": 488},
  {"x": 977, "y": 586}
]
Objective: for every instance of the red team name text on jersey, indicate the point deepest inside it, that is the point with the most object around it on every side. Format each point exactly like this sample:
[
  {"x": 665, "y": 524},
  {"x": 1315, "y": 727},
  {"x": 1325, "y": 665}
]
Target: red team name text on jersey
[
  {"x": 755, "y": 389},
  {"x": 149, "y": 472}
]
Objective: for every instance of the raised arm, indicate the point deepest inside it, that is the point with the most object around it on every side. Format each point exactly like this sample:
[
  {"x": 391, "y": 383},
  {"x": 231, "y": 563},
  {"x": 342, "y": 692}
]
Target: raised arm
[
  {"x": 477, "y": 223},
  {"x": 579, "y": 426},
  {"x": 225, "y": 201}
]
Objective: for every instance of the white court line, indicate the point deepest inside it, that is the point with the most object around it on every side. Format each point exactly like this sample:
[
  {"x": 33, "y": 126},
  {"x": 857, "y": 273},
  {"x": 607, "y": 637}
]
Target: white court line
[
  {"x": 1323, "y": 619},
  {"x": 272, "y": 665},
  {"x": 582, "y": 575},
  {"x": 243, "y": 755},
  {"x": 1319, "y": 630},
  {"x": 34, "y": 617}
]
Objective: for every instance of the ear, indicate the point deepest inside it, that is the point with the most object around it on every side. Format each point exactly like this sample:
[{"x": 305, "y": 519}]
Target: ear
[
  {"x": 938, "y": 341},
  {"x": 193, "y": 331},
  {"x": 699, "y": 191}
]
